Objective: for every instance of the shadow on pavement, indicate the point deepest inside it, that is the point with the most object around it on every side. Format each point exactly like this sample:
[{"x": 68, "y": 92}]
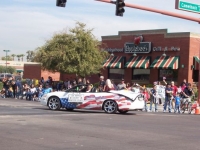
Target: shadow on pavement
[{"x": 82, "y": 111}]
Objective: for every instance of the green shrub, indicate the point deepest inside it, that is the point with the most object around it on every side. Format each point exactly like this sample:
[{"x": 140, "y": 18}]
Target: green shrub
[
  {"x": 149, "y": 85},
  {"x": 1, "y": 85},
  {"x": 96, "y": 85}
]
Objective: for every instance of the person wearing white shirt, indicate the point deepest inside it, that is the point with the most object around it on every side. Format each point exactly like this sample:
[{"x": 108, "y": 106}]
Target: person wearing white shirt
[{"x": 31, "y": 92}]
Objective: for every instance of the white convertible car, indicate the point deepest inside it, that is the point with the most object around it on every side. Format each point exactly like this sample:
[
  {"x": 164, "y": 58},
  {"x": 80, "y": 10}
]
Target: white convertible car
[{"x": 111, "y": 102}]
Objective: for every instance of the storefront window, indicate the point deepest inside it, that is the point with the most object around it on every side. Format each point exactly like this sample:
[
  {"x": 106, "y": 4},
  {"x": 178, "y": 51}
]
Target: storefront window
[
  {"x": 169, "y": 74},
  {"x": 141, "y": 74},
  {"x": 116, "y": 74}
]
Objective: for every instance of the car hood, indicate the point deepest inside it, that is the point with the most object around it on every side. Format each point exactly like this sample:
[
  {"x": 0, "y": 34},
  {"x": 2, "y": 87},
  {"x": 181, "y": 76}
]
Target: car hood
[{"x": 57, "y": 93}]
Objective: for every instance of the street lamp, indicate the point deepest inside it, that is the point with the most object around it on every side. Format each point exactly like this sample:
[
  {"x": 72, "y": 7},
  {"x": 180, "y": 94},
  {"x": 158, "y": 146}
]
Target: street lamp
[{"x": 6, "y": 57}]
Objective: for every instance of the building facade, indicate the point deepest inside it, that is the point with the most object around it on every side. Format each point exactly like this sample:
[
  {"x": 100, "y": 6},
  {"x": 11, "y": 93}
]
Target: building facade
[{"x": 174, "y": 56}]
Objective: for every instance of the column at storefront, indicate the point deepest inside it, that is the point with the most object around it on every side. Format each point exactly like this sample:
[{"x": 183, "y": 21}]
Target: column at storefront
[
  {"x": 128, "y": 75},
  {"x": 153, "y": 76},
  {"x": 195, "y": 69}
]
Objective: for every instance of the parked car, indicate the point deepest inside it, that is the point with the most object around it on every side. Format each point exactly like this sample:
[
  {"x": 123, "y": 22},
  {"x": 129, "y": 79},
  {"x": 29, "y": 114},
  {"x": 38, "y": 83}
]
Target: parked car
[
  {"x": 111, "y": 102},
  {"x": 5, "y": 75}
]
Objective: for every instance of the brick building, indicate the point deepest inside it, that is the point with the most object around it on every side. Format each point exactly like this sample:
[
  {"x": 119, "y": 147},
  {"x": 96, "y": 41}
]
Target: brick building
[{"x": 160, "y": 54}]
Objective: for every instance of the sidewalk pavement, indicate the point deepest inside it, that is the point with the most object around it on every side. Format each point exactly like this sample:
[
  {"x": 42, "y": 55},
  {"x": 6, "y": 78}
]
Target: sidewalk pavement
[{"x": 159, "y": 107}]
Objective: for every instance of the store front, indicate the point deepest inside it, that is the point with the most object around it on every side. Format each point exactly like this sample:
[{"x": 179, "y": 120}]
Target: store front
[{"x": 160, "y": 55}]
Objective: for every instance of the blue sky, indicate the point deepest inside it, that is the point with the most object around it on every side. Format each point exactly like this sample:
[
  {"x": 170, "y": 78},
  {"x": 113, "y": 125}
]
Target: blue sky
[{"x": 27, "y": 24}]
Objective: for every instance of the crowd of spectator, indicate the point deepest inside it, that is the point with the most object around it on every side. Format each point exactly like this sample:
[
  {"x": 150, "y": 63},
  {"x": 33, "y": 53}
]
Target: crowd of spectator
[{"x": 172, "y": 98}]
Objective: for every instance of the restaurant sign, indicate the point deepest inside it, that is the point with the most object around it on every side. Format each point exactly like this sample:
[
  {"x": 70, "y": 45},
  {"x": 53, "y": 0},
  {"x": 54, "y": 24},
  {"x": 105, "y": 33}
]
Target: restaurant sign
[{"x": 143, "y": 47}]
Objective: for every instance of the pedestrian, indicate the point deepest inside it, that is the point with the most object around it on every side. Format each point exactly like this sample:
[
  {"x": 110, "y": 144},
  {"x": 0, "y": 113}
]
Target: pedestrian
[
  {"x": 177, "y": 103},
  {"x": 146, "y": 99},
  {"x": 19, "y": 89},
  {"x": 153, "y": 99},
  {"x": 175, "y": 89},
  {"x": 14, "y": 88},
  {"x": 168, "y": 98}
]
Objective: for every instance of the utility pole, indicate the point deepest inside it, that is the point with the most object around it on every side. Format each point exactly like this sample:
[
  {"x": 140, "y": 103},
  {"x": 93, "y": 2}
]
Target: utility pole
[{"x": 6, "y": 57}]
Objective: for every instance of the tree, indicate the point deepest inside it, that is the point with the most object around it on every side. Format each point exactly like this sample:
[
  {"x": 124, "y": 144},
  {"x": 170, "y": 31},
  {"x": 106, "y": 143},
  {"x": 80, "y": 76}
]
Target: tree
[
  {"x": 18, "y": 56},
  {"x": 8, "y": 70},
  {"x": 8, "y": 58},
  {"x": 13, "y": 57},
  {"x": 74, "y": 52},
  {"x": 22, "y": 56}
]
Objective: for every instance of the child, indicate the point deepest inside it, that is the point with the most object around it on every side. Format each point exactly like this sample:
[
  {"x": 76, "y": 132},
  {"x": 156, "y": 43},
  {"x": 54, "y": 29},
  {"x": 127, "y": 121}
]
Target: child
[
  {"x": 177, "y": 103},
  {"x": 3, "y": 93},
  {"x": 146, "y": 98}
]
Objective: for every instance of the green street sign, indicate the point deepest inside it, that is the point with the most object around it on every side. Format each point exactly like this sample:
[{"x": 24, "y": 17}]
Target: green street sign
[{"x": 187, "y": 6}]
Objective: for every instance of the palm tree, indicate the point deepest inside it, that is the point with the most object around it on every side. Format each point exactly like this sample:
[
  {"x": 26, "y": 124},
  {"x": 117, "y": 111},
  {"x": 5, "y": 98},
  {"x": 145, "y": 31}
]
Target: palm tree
[
  {"x": 13, "y": 56},
  {"x": 18, "y": 56},
  {"x": 30, "y": 55},
  {"x": 22, "y": 56}
]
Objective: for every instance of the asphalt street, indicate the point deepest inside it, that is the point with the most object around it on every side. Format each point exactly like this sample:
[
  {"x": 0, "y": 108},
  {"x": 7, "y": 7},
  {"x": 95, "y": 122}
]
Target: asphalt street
[{"x": 26, "y": 125}]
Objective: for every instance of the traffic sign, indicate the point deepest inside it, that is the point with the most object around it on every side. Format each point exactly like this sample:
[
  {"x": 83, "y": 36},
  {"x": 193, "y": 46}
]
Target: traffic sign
[{"x": 187, "y": 6}]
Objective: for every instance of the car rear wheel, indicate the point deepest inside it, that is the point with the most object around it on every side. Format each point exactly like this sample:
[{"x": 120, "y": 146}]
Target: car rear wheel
[
  {"x": 54, "y": 103},
  {"x": 110, "y": 106}
]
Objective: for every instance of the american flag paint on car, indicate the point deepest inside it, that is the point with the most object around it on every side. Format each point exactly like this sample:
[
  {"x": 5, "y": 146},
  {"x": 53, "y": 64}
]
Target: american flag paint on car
[{"x": 113, "y": 101}]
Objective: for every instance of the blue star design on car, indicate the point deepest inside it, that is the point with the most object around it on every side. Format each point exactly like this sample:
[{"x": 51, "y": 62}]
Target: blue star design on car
[{"x": 66, "y": 104}]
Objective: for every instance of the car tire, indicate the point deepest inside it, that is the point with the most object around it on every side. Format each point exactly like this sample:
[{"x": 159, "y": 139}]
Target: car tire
[
  {"x": 110, "y": 106},
  {"x": 54, "y": 103},
  {"x": 122, "y": 111}
]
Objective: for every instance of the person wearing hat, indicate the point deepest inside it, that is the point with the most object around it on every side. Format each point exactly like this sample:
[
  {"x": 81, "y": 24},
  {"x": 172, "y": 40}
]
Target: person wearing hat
[{"x": 121, "y": 85}]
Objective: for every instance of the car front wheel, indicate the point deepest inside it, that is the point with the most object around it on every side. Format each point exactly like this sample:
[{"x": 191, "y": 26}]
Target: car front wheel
[
  {"x": 110, "y": 106},
  {"x": 54, "y": 103}
]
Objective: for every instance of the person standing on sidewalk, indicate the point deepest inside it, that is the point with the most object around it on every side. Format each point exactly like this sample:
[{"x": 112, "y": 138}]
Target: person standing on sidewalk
[
  {"x": 146, "y": 98},
  {"x": 153, "y": 99},
  {"x": 177, "y": 103},
  {"x": 168, "y": 98},
  {"x": 175, "y": 89}
]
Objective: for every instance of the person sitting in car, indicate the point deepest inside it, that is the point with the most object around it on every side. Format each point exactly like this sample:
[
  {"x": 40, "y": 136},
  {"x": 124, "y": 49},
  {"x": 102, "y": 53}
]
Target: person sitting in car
[{"x": 89, "y": 88}]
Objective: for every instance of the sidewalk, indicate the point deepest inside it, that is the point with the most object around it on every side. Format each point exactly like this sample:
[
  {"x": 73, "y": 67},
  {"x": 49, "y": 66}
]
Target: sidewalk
[{"x": 159, "y": 107}]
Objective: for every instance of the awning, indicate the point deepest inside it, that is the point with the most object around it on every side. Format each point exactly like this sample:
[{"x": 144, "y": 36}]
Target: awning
[
  {"x": 114, "y": 62},
  {"x": 19, "y": 70},
  {"x": 165, "y": 62},
  {"x": 196, "y": 63},
  {"x": 140, "y": 62}
]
